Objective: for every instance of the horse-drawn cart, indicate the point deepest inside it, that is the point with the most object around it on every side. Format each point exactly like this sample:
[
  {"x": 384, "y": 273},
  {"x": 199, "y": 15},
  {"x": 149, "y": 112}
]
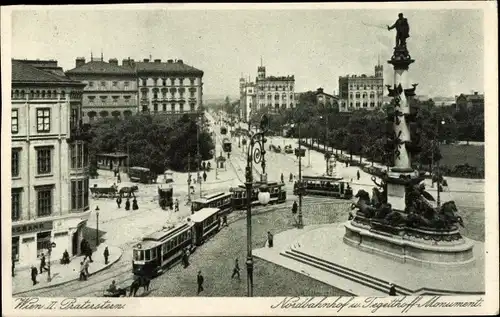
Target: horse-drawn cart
[{"x": 103, "y": 192}]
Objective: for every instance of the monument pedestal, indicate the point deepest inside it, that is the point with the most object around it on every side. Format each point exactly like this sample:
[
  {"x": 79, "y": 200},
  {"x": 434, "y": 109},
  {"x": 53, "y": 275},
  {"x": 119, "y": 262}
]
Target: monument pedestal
[{"x": 409, "y": 245}]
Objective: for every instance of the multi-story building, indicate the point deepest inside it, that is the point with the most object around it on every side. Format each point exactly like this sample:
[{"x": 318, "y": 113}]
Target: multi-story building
[
  {"x": 361, "y": 92},
  {"x": 248, "y": 99},
  {"x": 49, "y": 162},
  {"x": 172, "y": 87},
  {"x": 111, "y": 90},
  {"x": 274, "y": 92},
  {"x": 474, "y": 100}
]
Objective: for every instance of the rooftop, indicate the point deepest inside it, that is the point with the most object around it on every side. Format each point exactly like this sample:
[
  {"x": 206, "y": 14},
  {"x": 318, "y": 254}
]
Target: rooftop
[
  {"x": 24, "y": 72},
  {"x": 100, "y": 67},
  {"x": 177, "y": 67}
]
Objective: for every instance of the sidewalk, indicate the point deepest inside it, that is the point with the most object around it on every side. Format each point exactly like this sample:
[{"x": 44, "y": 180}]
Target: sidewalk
[{"x": 62, "y": 274}]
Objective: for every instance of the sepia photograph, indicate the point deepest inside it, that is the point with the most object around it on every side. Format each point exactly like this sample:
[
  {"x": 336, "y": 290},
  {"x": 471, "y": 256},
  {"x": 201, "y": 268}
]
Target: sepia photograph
[{"x": 250, "y": 159}]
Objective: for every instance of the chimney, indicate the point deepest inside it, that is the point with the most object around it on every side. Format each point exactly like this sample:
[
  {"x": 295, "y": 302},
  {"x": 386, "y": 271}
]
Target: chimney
[
  {"x": 320, "y": 90},
  {"x": 125, "y": 63},
  {"x": 475, "y": 92},
  {"x": 113, "y": 61},
  {"x": 146, "y": 60},
  {"x": 80, "y": 61},
  {"x": 179, "y": 61},
  {"x": 170, "y": 61},
  {"x": 157, "y": 60}
]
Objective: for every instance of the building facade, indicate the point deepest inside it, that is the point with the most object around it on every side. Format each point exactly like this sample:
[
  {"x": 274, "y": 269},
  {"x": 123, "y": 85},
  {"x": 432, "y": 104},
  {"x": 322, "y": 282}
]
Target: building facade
[
  {"x": 248, "y": 99},
  {"x": 322, "y": 98},
  {"x": 170, "y": 87},
  {"x": 361, "y": 92},
  {"x": 474, "y": 100},
  {"x": 49, "y": 162},
  {"x": 111, "y": 90},
  {"x": 274, "y": 92}
]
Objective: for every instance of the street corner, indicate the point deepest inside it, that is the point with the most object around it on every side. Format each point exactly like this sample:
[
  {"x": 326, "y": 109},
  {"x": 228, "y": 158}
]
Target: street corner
[{"x": 62, "y": 274}]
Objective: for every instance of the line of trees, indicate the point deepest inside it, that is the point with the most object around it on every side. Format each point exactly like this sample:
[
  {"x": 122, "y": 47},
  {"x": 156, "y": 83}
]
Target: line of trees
[
  {"x": 365, "y": 133},
  {"x": 157, "y": 142}
]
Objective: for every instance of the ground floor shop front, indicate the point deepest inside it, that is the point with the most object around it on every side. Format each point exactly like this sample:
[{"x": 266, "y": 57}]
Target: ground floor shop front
[{"x": 31, "y": 239}]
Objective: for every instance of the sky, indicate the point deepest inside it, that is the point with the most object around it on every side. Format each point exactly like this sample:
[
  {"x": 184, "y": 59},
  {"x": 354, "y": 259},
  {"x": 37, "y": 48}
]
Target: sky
[{"x": 317, "y": 46}]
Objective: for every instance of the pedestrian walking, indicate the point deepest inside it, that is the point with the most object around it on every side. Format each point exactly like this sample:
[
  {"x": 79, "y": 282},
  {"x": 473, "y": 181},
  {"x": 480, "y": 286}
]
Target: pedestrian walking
[
  {"x": 34, "y": 273},
  {"x": 65, "y": 257},
  {"x": 294, "y": 207},
  {"x": 204, "y": 176},
  {"x": 119, "y": 201},
  {"x": 199, "y": 280},
  {"x": 176, "y": 205},
  {"x": 106, "y": 255},
  {"x": 392, "y": 290},
  {"x": 269, "y": 239},
  {"x": 291, "y": 178},
  {"x": 184, "y": 258},
  {"x": 118, "y": 178},
  {"x": 236, "y": 270},
  {"x": 86, "y": 264},
  {"x": 224, "y": 220},
  {"x": 83, "y": 276},
  {"x": 358, "y": 175},
  {"x": 127, "y": 204},
  {"x": 282, "y": 178},
  {"x": 346, "y": 164},
  {"x": 204, "y": 165},
  {"x": 135, "y": 206},
  {"x": 42, "y": 263},
  {"x": 13, "y": 266}
]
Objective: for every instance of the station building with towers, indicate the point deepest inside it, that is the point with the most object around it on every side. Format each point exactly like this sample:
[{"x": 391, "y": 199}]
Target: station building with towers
[
  {"x": 362, "y": 91},
  {"x": 272, "y": 92}
]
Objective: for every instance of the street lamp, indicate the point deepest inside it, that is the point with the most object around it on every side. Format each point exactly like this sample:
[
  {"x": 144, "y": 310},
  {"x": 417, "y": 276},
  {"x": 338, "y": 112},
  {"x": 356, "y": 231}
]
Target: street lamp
[
  {"x": 255, "y": 153},
  {"x": 189, "y": 178},
  {"x": 97, "y": 226},
  {"x": 49, "y": 252},
  {"x": 300, "y": 154}
]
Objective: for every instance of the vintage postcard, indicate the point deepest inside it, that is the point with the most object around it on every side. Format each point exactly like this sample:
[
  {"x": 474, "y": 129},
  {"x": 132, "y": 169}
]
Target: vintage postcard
[{"x": 250, "y": 159}]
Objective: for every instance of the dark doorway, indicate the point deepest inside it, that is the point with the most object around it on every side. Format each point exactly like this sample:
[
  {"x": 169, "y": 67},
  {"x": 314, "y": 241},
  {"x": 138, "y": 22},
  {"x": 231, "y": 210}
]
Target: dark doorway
[{"x": 74, "y": 244}]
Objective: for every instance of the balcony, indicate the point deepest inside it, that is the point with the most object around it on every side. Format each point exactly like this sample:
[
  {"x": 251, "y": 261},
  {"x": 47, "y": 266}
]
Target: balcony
[{"x": 144, "y": 101}]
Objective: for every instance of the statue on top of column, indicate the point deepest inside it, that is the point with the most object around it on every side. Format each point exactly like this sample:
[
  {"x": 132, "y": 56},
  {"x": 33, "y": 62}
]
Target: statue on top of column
[{"x": 402, "y": 30}]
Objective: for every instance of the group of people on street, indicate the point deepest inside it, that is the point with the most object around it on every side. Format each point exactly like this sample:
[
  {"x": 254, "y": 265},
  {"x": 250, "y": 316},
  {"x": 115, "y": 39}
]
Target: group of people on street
[
  {"x": 135, "y": 206},
  {"x": 34, "y": 270}
]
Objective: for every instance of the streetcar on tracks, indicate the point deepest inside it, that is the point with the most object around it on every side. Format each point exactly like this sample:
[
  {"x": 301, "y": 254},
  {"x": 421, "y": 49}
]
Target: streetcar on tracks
[
  {"x": 325, "y": 186},
  {"x": 239, "y": 194},
  {"x": 165, "y": 195},
  {"x": 164, "y": 248},
  {"x": 142, "y": 175},
  {"x": 219, "y": 200}
]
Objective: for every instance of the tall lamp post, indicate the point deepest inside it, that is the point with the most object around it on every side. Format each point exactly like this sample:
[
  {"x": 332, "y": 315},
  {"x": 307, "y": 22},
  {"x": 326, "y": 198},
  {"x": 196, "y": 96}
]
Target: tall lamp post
[
  {"x": 438, "y": 173},
  {"x": 189, "y": 178},
  {"x": 97, "y": 226},
  {"x": 255, "y": 153},
  {"x": 49, "y": 252},
  {"x": 198, "y": 156},
  {"x": 300, "y": 154}
]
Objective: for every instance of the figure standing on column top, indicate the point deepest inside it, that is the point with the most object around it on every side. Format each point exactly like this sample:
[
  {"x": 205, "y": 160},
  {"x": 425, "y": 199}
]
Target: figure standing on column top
[{"x": 402, "y": 30}]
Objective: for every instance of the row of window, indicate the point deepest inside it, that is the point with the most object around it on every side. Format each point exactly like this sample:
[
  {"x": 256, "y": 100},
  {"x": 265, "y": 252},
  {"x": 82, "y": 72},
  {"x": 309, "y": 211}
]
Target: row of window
[
  {"x": 163, "y": 81},
  {"x": 192, "y": 107},
  {"x": 37, "y": 94},
  {"x": 275, "y": 87},
  {"x": 365, "y": 87},
  {"x": 365, "y": 104},
  {"x": 276, "y": 105},
  {"x": 42, "y": 120},
  {"x": 45, "y": 199},
  {"x": 145, "y": 95},
  {"x": 79, "y": 159},
  {"x": 103, "y": 84},
  {"x": 103, "y": 99},
  {"x": 103, "y": 114},
  {"x": 276, "y": 96},
  {"x": 365, "y": 95}
]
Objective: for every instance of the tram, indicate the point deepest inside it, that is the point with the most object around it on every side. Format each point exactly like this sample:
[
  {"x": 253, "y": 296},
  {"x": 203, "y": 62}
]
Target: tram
[
  {"x": 226, "y": 145},
  {"x": 219, "y": 200},
  {"x": 239, "y": 194},
  {"x": 325, "y": 186},
  {"x": 142, "y": 175},
  {"x": 165, "y": 197},
  {"x": 162, "y": 249}
]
